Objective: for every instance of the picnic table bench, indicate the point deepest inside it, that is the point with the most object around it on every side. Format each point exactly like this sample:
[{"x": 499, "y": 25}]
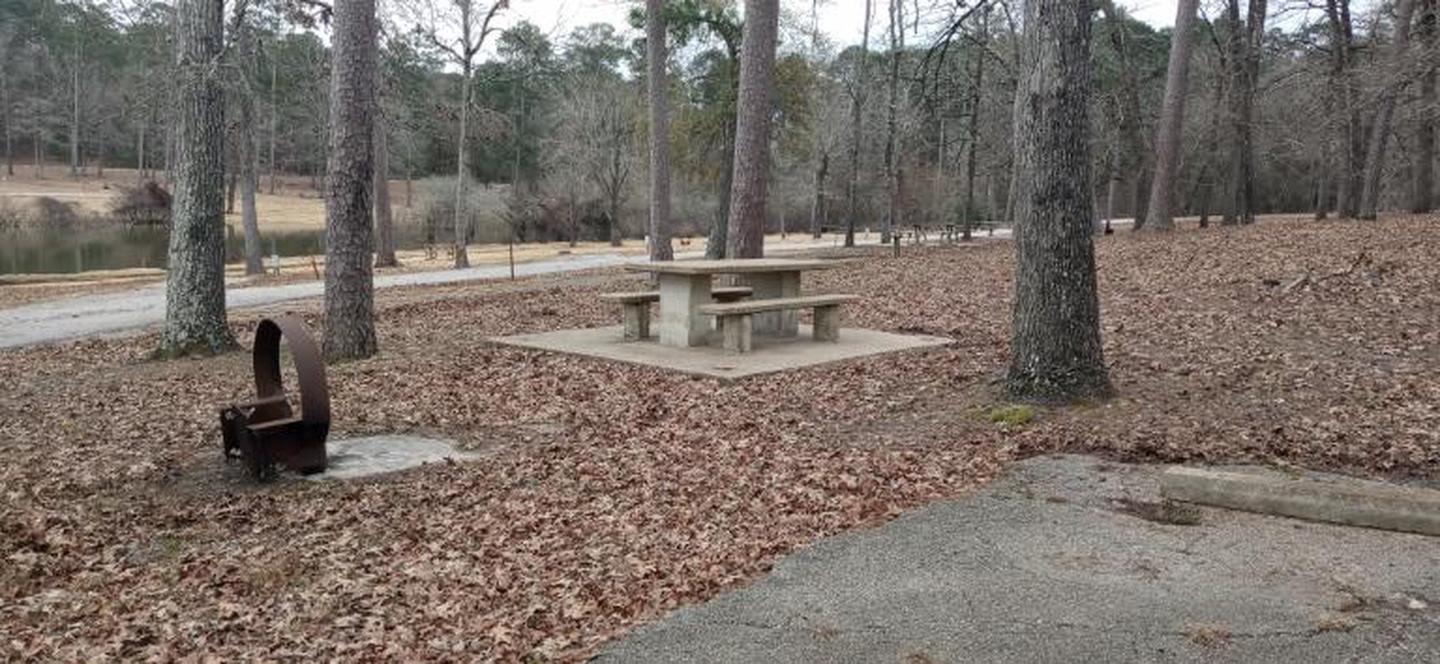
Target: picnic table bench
[
  {"x": 637, "y": 306},
  {"x": 736, "y": 326}
]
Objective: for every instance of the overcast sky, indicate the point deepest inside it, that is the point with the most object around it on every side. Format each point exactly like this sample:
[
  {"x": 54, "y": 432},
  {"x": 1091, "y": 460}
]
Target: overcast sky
[{"x": 840, "y": 19}]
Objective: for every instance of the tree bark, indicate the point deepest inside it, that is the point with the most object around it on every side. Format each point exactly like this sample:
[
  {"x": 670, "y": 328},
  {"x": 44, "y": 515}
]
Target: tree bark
[
  {"x": 195, "y": 321},
  {"x": 1161, "y": 215},
  {"x": 972, "y": 142},
  {"x": 892, "y": 172},
  {"x": 5, "y": 118},
  {"x": 75, "y": 111},
  {"x": 752, "y": 130},
  {"x": 274, "y": 127},
  {"x": 349, "y": 277},
  {"x": 462, "y": 258},
  {"x": 660, "y": 246},
  {"x": 1056, "y": 352},
  {"x": 1380, "y": 129},
  {"x": 857, "y": 101},
  {"x": 1422, "y": 197},
  {"x": 617, "y": 235},
  {"x": 817, "y": 207},
  {"x": 247, "y": 139},
  {"x": 1245, "y": 41},
  {"x": 1343, "y": 94},
  {"x": 720, "y": 232},
  {"x": 1132, "y": 128},
  {"x": 384, "y": 217}
]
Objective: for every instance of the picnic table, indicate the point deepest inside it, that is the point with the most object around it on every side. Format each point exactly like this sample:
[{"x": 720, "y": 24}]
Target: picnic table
[{"x": 685, "y": 287}]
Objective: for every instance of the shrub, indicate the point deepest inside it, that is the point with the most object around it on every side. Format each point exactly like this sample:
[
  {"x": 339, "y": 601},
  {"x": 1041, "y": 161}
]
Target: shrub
[{"x": 145, "y": 205}]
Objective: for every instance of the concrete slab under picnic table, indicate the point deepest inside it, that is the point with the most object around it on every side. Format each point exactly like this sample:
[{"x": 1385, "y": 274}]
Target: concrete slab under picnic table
[{"x": 770, "y": 354}]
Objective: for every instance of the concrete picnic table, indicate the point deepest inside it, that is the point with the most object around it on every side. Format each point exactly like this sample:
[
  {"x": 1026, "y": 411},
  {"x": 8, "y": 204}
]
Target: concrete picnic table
[{"x": 685, "y": 287}]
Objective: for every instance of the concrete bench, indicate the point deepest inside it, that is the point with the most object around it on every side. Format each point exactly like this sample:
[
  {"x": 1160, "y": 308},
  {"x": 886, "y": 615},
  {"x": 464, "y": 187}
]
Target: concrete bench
[
  {"x": 735, "y": 319},
  {"x": 637, "y": 306}
]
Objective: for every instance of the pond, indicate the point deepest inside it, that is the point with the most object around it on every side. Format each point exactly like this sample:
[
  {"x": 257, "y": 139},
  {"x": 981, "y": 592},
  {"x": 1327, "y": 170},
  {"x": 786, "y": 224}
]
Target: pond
[{"x": 70, "y": 249}]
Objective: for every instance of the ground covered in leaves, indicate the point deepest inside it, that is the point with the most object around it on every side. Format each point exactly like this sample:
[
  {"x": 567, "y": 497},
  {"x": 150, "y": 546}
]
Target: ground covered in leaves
[{"x": 608, "y": 494}]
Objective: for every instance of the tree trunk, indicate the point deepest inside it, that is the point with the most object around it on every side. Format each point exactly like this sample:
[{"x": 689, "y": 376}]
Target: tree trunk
[
  {"x": 462, "y": 258},
  {"x": 75, "y": 112},
  {"x": 572, "y": 220},
  {"x": 349, "y": 277},
  {"x": 195, "y": 320},
  {"x": 720, "y": 232},
  {"x": 1132, "y": 128},
  {"x": 1343, "y": 92},
  {"x": 247, "y": 140},
  {"x": 5, "y": 118},
  {"x": 1161, "y": 215},
  {"x": 1245, "y": 41},
  {"x": 817, "y": 208},
  {"x": 892, "y": 187},
  {"x": 613, "y": 212},
  {"x": 1422, "y": 198},
  {"x": 384, "y": 217},
  {"x": 233, "y": 187},
  {"x": 409, "y": 174},
  {"x": 660, "y": 247},
  {"x": 1380, "y": 129},
  {"x": 274, "y": 127},
  {"x": 1056, "y": 350},
  {"x": 752, "y": 130},
  {"x": 857, "y": 101},
  {"x": 972, "y": 142},
  {"x": 140, "y": 151},
  {"x": 38, "y": 147}
]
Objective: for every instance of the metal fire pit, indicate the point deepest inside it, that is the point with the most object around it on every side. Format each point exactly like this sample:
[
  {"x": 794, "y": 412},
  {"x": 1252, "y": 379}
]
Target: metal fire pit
[{"x": 266, "y": 431}]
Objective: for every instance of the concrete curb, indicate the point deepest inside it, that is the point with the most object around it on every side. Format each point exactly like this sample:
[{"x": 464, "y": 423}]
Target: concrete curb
[{"x": 1344, "y": 501}]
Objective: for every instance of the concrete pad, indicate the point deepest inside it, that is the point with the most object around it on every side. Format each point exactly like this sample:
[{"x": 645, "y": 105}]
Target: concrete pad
[
  {"x": 362, "y": 457},
  {"x": 770, "y": 354},
  {"x": 1329, "y": 498},
  {"x": 1059, "y": 561}
]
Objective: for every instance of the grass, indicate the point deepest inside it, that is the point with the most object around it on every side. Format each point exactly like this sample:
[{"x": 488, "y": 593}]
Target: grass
[{"x": 1011, "y": 415}]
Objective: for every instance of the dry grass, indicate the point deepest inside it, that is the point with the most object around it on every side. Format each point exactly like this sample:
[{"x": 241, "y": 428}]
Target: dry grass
[{"x": 295, "y": 207}]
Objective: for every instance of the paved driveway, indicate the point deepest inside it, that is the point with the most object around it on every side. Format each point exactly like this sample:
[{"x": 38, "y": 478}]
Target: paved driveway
[{"x": 1046, "y": 566}]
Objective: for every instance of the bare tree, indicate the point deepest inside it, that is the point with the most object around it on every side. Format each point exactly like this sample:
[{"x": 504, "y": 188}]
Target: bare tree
[
  {"x": 439, "y": 19},
  {"x": 384, "y": 214},
  {"x": 1161, "y": 216},
  {"x": 752, "y": 130},
  {"x": 247, "y": 134},
  {"x": 972, "y": 143},
  {"x": 1244, "y": 58},
  {"x": 1056, "y": 351},
  {"x": 660, "y": 249},
  {"x": 595, "y": 141},
  {"x": 1131, "y": 125},
  {"x": 349, "y": 276},
  {"x": 1422, "y": 197},
  {"x": 195, "y": 321},
  {"x": 1385, "y": 111},
  {"x": 1342, "y": 99},
  {"x": 892, "y": 156},
  {"x": 857, "y": 101},
  {"x": 820, "y": 155}
]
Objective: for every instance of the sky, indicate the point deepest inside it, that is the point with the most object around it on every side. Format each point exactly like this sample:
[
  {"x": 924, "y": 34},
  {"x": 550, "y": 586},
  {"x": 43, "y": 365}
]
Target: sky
[{"x": 840, "y": 19}]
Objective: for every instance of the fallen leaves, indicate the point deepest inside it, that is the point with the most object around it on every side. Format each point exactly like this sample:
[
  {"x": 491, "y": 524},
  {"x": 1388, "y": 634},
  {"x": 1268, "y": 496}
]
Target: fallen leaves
[{"x": 606, "y": 494}]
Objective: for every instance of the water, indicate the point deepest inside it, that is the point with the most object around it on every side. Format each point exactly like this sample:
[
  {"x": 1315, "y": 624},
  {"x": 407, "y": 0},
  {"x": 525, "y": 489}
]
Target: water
[{"x": 66, "y": 250}]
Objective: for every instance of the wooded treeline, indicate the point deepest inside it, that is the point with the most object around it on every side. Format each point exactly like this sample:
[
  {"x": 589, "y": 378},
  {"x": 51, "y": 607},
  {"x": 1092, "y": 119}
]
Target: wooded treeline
[{"x": 1327, "y": 100}]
